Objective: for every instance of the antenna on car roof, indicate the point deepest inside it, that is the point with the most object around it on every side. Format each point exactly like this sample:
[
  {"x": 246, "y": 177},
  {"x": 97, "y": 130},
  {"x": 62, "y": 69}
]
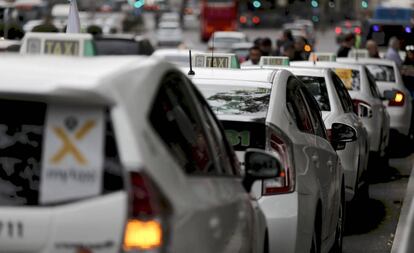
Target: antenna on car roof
[
  {"x": 212, "y": 52},
  {"x": 191, "y": 72}
]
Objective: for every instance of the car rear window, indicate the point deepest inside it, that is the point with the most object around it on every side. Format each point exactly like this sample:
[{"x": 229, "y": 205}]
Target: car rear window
[
  {"x": 350, "y": 77},
  {"x": 381, "y": 73},
  {"x": 116, "y": 47},
  {"x": 317, "y": 87},
  {"x": 233, "y": 100},
  {"x": 22, "y": 138}
]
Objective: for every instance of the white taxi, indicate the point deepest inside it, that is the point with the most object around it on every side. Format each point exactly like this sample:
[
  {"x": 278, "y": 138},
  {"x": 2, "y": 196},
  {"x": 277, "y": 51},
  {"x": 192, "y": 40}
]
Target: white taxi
[
  {"x": 336, "y": 106},
  {"x": 389, "y": 80},
  {"x": 366, "y": 99},
  {"x": 118, "y": 154},
  {"x": 272, "y": 110}
]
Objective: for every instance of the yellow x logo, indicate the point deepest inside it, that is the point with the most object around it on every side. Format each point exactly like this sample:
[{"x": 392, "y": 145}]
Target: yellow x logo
[{"x": 68, "y": 147}]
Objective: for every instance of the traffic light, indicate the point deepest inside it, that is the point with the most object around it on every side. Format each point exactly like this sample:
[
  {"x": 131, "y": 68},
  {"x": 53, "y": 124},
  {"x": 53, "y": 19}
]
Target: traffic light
[
  {"x": 314, "y": 3},
  {"x": 136, "y": 3},
  {"x": 364, "y": 4},
  {"x": 257, "y": 4}
]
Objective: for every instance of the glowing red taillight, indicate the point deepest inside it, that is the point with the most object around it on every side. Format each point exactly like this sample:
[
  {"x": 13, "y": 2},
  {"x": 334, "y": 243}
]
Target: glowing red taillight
[
  {"x": 338, "y": 30},
  {"x": 285, "y": 181}
]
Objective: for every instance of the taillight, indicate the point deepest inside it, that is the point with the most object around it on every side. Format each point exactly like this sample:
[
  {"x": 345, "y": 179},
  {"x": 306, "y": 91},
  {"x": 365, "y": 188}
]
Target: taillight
[
  {"x": 338, "y": 30},
  {"x": 285, "y": 181},
  {"x": 398, "y": 99},
  {"x": 362, "y": 108},
  {"x": 148, "y": 214},
  {"x": 357, "y": 30},
  {"x": 243, "y": 19},
  {"x": 256, "y": 20}
]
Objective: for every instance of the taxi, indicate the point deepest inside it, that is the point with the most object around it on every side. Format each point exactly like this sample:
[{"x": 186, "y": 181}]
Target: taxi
[
  {"x": 367, "y": 101},
  {"x": 336, "y": 106},
  {"x": 68, "y": 44},
  {"x": 111, "y": 154},
  {"x": 389, "y": 81},
  {"x": 271, "y": 110}
]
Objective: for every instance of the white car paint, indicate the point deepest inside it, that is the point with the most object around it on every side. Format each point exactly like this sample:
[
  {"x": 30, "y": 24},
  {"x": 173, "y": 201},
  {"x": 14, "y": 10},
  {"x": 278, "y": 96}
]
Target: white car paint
[
  {"x": 400, "y": 116},
  {"x": 317, "y": 174},
  {"x": 204, "y": 213},
  {"x": 378, "y": 123},
  {"x": 179, "y": 57},
  {"x": 169, "y": 33},
  {"x": 223, "y": 41}
]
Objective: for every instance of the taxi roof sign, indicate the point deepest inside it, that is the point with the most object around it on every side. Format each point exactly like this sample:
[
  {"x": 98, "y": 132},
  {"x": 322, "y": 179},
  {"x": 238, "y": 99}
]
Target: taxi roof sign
[
  {"x": 322, "y": 57},
  {"x": 208, "y": 60},
  {"x": 274, "y": 61},
  {"x": 358, "y": 53},
  {"x": 58, "y": 44}
]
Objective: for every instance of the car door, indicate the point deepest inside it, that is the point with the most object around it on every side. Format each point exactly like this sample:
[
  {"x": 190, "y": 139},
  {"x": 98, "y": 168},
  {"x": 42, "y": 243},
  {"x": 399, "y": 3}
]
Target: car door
[
  {"x": 328, "y": 161},
  {"x": 209, "y": 219}
]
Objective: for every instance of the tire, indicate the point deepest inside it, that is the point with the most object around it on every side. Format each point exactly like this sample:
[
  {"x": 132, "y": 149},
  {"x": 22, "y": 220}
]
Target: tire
[
  {"x": 266, "y": 244},
  {"x": 316, "y": 237},
  {"x": 337, "y": 247}
]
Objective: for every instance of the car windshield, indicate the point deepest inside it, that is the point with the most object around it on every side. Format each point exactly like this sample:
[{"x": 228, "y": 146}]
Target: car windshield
[
  {"x": 237, "y": 100},
  {"x": 350, "y": 78},
  {"x": 317, "y": 87},
  {"x": 381, "y": 73}
]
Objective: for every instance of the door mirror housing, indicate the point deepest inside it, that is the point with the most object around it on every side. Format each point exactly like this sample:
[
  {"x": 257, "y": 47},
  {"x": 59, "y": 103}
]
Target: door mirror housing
[
  {"x": 259, "y": 164},
  {"x": 389, "y": 94},
  {"x": 341, "y": 134}
]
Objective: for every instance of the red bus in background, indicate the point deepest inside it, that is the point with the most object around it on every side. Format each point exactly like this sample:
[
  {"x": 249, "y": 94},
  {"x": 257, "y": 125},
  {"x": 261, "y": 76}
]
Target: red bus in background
[{"x": 217, "y": 15}]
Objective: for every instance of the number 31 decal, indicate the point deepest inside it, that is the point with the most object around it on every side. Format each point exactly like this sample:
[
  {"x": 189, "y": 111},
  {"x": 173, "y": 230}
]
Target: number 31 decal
[
  {"x": 235, "y": 138},
  {"x": 11, "y": 229}
]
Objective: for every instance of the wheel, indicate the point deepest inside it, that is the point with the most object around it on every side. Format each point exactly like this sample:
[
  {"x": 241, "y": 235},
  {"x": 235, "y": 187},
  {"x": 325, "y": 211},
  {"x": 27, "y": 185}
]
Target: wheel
[
  {"x": 315, "y": 248},
  {"x": 316, "y": 239},
  {"x": 337, "y": 247}
]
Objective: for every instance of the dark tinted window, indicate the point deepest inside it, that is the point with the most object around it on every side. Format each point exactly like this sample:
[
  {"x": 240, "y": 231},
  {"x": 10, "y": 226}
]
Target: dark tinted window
[
  {"x": 175, "y": 118},
  {"x": 116, "y": 47},
  {"x": 381, "y": 73},
  {"x": 373, "y": 85},
  {"x": 297, "y": 106},
  {"x": 21, "y": 145},
  {"x": 314, "y": 113},
  {"x": 317, "y": 87},
  {"x": 343, "y": 94}
]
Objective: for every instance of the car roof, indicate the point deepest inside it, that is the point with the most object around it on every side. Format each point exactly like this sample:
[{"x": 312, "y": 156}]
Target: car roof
[
  {"x": 249, "y": 75},
  {"x": 72, "y": 77},
  {"x": 364, "y": 60},
  {"x": 326, "y": 64},
  {"x": 230, "y": 34}
]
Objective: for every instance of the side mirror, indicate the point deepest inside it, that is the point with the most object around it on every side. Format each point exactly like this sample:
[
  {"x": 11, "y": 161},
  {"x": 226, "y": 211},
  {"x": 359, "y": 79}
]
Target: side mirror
[
  {"x": 341, "y": 134},
  {"x": 389, "y": 94},
  {"x": 259, "y": 164}
]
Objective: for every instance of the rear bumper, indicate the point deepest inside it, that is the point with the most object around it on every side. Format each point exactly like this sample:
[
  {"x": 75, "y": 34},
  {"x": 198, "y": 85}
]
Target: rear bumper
[{"x": 281, "y": 213}]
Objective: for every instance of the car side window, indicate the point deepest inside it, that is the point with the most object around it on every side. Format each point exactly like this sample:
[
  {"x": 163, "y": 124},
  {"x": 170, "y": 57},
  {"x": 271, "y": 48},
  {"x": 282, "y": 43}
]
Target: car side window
[
  {"x": 373, "y": 85},
  {"x": 315, "y": 113},
  {"x": 297, "y": 106},
  {"x": 343, "y": 94},
  {"x": 175, "y": 118}
]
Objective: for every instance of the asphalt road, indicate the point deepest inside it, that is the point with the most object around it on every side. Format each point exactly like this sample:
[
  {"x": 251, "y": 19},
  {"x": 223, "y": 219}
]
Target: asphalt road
[{"x": 370, "y": 226}]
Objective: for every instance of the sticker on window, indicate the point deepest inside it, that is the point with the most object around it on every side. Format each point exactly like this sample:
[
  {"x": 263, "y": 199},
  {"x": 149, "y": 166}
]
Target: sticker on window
[
  {"x": 346, "y": 77},
  {"x": 73, "y": 153}
]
